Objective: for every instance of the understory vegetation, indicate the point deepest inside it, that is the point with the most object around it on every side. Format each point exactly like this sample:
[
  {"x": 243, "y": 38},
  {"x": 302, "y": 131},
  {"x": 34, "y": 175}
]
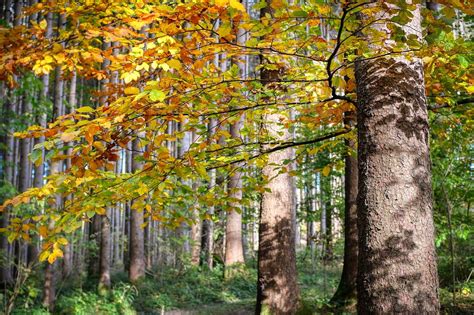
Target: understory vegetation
[{"x": 204, "y": 291}]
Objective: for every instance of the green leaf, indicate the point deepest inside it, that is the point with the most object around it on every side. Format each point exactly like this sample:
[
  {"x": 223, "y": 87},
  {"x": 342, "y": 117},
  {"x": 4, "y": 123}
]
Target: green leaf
[
  {"x": 36, "y": 157},
  {"x": 300, "y": 13},
  {"x": 157, "y": 96},
  {"x": 463, "y": 61}
]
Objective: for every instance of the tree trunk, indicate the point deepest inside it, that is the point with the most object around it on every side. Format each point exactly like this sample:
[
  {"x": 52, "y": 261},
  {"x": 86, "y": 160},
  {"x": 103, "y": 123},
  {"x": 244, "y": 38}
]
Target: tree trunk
[
  {"x": 234, "y": 252},
  {"x": 347, "y": 290},
  {"x": 49, "y": 290},
  {"x": 137, "y": 244},
  {"x": 277, "y": 289},
  {"x": 104, "y": 273},
  {"x": 195, "y": 232},
  {"x": 94, "y": 252},
  {"x": 397, "y": 259},
  {"x": 207, "y": 235},
  {"x": 327, "y": 189}
]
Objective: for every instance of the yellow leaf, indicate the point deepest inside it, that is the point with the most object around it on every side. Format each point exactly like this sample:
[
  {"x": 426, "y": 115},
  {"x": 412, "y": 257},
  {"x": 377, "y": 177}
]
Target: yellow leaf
[
  {"x": 62, "y": 241},
  {"x": 99, "y": 146},
  {"x": 326, "y": 170},
  {"x": 68, "y": 136},
  {"x": 131, "y": 90},
  {"x": 237, "y": 5},
  {"x": 43, "y": 24},
  {"x": 143, "y": 189},
  {"x": 43, "y": 231},
  {"x": 174, "y": 63},
  {"x": 85, "y": 109},
  {"x": 54, "y": 255},
  {"x": 43, "y": 256}
]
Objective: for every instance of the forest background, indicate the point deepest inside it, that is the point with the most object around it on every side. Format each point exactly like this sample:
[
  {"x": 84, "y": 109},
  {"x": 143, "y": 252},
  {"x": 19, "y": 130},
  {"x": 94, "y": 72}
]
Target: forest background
[{"x": 149, "y": 149}]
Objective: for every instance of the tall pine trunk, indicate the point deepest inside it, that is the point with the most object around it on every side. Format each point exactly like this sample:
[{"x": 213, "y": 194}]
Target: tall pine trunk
[{"x": 397, "y": 259}]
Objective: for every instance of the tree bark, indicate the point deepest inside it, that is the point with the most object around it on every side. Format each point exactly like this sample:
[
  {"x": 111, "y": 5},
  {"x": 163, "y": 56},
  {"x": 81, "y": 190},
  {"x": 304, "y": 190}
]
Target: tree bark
[
  {"x": 328, "y": 206},
  {"x": 397, "y": 259},
  {"x": 277, "y": 289},
  {"x": 104, "y": 273},
  {"x": 346, "y": 292},
  {"x": 49, "y": 288},
  {"x": 234, "y": 252},
  {"x": 195, "y": 232},
  {"x": 137, "y": 244}
]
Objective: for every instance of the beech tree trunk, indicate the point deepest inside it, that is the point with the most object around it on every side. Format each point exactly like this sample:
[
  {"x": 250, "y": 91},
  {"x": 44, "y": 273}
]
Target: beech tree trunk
[
  {"x": 347, "y": 289},
  {"x": 234, "y": 251},
  {"x": 277, "y": 289},
  {"x": 104, "y": 273},
  {"x": 49, "y": 289},
  {"x": 397, "y": 259},
  {"x": 207, "y": 235},
  {"x": 195, "y": 234},
  {"x": 277, "y": 286},
  {"x": 137, "y": 244}
]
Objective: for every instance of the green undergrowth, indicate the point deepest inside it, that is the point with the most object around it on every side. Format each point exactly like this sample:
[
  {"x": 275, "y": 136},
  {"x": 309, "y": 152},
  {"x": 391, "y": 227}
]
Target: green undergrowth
[
  {"x": 192, "y": 286},
  {"x": 201, "y": 291}
]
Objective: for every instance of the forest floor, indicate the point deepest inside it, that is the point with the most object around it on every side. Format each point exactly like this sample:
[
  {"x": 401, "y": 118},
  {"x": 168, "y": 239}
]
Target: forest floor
[
  {"x": 240, "y": 308},
  {"x": 193, "y": 291}
]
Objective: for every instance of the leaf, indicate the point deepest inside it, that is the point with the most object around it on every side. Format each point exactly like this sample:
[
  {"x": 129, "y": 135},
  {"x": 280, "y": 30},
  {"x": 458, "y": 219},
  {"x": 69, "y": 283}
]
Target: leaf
[
  {"x": 237, "y": 5},
  {"x": 43, "y": 231},
  {"x": 68, "y": 136},
  {"x": 131, "y": 90},
  {"x": 326, "y": 170},
  {"x": 54, "y": 255},
  {"x": 157, "y": 96},
  {"x": 85, "y": 109},
  {"x": 174, "y": 63},
  {"x": 300, "y": 13},
  {"x": 43, "y": 24},
  {"x": 36, "y": 157},
  {"x": 44, "y": 255},
  {"x": 62, "y": 241}
]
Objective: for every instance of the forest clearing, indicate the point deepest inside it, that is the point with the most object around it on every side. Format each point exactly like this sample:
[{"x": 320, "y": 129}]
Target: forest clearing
[{"x": 266, "y": 157}]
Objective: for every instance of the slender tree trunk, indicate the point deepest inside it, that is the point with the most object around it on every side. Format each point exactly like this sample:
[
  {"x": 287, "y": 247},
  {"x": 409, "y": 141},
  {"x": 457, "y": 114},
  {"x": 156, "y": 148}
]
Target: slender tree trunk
[
  {"x": 277, "y": 289},
  {"x": 347, "y": 289},
  {"x": 234, "y": 249},
  {"x": 207, "y": 235},
  {"x": 328, "y": 207},
  {"x": 104, "y": 273},
  {"x": 234, "y": 252},
  {"x": 94, "y": 253},
  {"x": 67, "y": 263},
  {"x": 397, "y": 259},
  {"x": 49, "y": 288},
  {"x": 195, "y": 233},
  {"x": 137, "y": 242}
]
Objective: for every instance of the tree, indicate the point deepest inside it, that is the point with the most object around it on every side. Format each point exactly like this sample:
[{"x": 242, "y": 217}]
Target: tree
[
  {"x": 234, "y": 249},
  {"x": 137, "y": 243},
  {"x": 346, "y": 292},
  {"x": 397, "y": 260},
  {"x": 277, "y": 289}
]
